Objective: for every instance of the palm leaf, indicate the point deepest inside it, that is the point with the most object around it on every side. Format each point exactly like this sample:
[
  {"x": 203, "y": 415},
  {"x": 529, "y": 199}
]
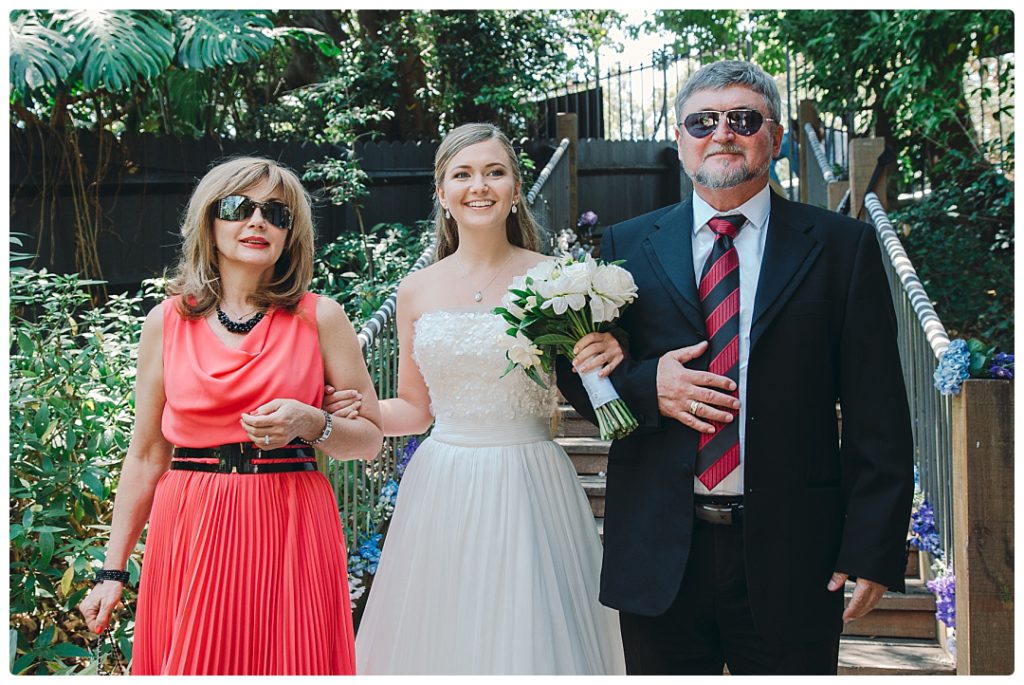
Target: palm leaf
[
  {"x": 219, "y": 38},
  {"x": 116, "y": 48},
  {"x": 39, "y": 56}
]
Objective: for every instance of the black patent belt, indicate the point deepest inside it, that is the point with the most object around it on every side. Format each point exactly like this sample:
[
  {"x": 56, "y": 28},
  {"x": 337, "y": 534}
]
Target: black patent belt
[
  {"x": 243, "y": 457},
  {"x": 717, "y": 510}
]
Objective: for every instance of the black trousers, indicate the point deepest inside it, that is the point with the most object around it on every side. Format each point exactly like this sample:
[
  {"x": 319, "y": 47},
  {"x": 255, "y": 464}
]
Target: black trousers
[{"x": 709, "y": 625}]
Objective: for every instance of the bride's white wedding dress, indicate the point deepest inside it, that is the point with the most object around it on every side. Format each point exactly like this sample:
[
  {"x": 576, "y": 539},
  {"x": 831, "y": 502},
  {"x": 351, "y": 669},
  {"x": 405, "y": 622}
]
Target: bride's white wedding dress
[{"x": 492, "y": 558}]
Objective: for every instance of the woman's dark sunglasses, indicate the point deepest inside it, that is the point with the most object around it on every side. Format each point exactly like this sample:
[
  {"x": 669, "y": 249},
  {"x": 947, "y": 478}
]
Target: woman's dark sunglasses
[
  {"x": 743, "y": 122},
  {"x": 239, "y": 208}
]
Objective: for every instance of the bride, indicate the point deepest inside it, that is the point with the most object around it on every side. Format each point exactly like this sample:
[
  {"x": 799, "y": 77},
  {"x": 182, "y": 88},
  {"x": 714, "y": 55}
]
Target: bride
[{"x": 492, "y": 558}]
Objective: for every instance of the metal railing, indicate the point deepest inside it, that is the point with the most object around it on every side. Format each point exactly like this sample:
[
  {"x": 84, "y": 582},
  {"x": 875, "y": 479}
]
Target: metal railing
[
  {"x": 819, "y": 153},
  {"x": 550, "y": 209},
  {"x": 357, "y": 484},
  {"x": 922, "y": 341},
  {"x": 817, "y": 183}
]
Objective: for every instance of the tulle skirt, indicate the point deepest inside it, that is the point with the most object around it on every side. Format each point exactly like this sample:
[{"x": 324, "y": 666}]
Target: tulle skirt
[
  {"x": 490, "y": 565},
  {"x": 244, "y": 575}
]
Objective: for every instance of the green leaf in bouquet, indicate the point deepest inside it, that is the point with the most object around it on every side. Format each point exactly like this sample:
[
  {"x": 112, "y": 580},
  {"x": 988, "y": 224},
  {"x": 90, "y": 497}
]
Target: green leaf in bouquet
[
  {"x": 554, "y": 339},
  {"x": 508, "y": 369},
  {"x": 523, "y": 294},
  {"x": 535, "y": 377}
]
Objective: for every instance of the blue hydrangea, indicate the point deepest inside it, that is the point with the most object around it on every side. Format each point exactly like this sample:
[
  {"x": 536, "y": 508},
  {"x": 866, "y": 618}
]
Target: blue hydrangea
[
  {"x": 369, "y": 552},
  {"x": 952, "y": 370},
  {"x": 389, "y": 492},
  {"x": 944, "y": 588}
]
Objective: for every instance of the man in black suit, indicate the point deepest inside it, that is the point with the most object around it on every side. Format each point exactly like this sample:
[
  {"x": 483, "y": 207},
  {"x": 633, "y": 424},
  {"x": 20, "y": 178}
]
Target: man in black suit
[{"x": 735, "y": 513}]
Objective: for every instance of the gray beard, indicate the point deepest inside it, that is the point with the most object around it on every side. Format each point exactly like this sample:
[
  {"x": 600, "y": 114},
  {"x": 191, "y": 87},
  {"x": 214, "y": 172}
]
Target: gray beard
[{"x": 729, "y": 178}]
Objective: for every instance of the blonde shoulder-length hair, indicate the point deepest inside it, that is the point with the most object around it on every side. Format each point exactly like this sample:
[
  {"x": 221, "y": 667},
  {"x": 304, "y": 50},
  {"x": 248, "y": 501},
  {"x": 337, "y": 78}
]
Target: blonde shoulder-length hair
[
  {"x": 520, "y": 227},
  {"x": 197, "y": 276}
]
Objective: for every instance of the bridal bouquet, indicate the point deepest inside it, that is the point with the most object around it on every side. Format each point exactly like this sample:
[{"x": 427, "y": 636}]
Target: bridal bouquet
[{"x": 552, "y": 306}]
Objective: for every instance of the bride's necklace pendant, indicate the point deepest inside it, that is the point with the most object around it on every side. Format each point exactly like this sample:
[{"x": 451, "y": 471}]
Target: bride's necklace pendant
[
  {"x": 238, "y": 326},
  {"x": 478, "y": 296}
]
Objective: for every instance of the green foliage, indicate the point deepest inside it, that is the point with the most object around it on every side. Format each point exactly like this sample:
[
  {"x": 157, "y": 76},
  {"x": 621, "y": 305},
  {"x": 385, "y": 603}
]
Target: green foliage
[
  {"x": 917, "y": 75},
  {"x": 961, "y": 240},
  {"x": 72, "y": 370},
  {"x": 360, "y": 272},
  {"x": 39, "y": 55},
  {"x": 221, "y": 37},
  {"x": 116, "y": 48}
]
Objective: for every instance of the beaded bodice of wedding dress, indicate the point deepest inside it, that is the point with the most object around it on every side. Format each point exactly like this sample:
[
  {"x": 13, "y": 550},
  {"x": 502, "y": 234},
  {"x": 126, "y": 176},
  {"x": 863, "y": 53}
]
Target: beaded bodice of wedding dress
[{"x": 462, "y": 359}]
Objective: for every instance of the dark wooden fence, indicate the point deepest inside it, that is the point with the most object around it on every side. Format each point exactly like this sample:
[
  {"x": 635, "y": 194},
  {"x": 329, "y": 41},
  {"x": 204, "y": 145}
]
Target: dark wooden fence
[{"x": 144, "y": 194}]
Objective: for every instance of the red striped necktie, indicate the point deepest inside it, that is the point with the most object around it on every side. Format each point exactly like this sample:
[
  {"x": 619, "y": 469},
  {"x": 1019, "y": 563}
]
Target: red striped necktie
[{"x": 718, "y": 453}]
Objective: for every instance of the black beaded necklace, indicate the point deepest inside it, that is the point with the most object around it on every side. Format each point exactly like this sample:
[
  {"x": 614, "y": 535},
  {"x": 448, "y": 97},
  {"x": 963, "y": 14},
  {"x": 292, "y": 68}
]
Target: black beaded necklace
[{"x": 238, "y": 326}]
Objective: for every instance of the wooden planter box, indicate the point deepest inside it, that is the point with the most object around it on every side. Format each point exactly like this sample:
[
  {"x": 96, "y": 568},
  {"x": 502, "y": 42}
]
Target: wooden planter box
[{"x": 983, "y": 526}]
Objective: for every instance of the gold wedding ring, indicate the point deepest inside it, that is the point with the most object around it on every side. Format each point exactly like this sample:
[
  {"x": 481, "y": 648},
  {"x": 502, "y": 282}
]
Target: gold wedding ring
[
  {"x": 694, "y": 406},
  {"x": 266, "y": 440}
]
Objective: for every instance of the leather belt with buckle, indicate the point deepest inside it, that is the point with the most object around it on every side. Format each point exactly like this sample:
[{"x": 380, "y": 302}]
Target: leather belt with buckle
[
  {"x": 243, "y": 457},
  {"x": 721, "y": 511}
]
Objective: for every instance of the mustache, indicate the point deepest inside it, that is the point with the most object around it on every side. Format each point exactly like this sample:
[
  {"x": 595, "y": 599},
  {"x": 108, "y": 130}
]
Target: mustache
[{"x": 724, "y": 149}]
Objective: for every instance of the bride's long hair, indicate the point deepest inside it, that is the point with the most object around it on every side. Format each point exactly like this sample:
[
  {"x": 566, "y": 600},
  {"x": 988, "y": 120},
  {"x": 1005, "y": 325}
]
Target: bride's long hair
[{"x": 520, "y": 227}]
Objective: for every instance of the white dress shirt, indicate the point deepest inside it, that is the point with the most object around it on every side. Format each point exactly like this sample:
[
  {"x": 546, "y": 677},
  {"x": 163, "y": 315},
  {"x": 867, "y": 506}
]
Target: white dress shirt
[{"x": 749, "y": 246}]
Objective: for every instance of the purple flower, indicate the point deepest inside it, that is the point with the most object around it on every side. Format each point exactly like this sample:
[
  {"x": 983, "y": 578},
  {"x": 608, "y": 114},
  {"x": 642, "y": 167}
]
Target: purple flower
[
  {"x": 922, "y": 530},
  {"x": 407, "y": 452},
  {"x": 1001, "y": 366},
  {"x": 944, "y": 588},
  {"x": 588, "y": 219}
]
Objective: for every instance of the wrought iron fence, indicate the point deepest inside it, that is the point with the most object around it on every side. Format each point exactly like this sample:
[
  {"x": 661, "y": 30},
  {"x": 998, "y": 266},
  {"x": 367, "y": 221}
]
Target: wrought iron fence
[{"x": 922, "y": 341}]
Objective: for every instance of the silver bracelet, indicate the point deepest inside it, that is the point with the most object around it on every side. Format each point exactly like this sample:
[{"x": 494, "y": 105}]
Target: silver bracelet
[{"x": 323, "y": 436}]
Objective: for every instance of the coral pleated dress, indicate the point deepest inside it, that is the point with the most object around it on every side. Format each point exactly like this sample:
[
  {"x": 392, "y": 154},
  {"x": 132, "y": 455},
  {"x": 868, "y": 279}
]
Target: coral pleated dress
[{"x": 243, "y": 573}]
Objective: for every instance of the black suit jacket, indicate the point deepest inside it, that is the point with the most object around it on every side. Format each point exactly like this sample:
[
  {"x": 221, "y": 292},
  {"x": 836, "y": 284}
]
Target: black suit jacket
[{"x": 823, "y": 330}]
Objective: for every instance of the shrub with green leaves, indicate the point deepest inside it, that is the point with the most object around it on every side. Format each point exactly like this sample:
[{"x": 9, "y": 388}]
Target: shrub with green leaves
[
  {"x": 72, "y": 374},
  {"x": 360, "y": 271},
  {"x": 960, "y": 237}
]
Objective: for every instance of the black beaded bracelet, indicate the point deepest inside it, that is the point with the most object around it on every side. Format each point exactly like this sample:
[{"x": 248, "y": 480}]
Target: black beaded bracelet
[
  {"x": 111, "y": 574},
  {"x": 323, "y": 436}
]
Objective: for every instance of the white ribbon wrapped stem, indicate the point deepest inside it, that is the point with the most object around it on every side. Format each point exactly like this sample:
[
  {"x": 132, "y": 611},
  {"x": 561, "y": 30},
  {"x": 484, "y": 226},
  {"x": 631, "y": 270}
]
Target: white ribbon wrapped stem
[{"x": 600, "y": 390}]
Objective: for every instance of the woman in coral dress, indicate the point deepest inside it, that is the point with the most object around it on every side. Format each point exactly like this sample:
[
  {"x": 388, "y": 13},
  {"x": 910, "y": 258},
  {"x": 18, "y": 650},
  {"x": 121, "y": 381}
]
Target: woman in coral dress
[{"x": 244, "y": 571}]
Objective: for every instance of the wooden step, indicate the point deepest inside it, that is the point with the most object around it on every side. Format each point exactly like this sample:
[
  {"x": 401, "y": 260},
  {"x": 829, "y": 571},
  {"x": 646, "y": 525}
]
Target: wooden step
[
  {"x": 593, "y": 486},
  {"x": 893, "y": 656},
  {"x": 572, "y": 425},
  {"x": 589, "y": 455},
  {"x": 909, "y": 615}
]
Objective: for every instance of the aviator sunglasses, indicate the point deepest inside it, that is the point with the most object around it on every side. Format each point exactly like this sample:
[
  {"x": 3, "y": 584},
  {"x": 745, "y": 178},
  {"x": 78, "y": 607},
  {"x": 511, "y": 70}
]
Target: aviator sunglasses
[
  {"x": 240, "y": 208},
  {"x": 743, "y": 122}
]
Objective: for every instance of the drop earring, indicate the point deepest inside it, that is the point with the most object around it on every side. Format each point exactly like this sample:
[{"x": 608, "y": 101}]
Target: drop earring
[
  {"x": 514, "y": 208},
  {"x": 447, "y": 214}
]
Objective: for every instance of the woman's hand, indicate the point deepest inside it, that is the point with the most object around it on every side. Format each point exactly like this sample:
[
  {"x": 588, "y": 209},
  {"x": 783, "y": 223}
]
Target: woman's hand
[
  {"x": 344, "y": 404},
  {"x": 597, "y": 351},
  {"x": 278, "y": 422},
  {"x": 99, "y": 603}
]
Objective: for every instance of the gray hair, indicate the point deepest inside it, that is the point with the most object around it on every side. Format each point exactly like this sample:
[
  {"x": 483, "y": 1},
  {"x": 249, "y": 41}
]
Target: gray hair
[{"x": 731, "y": 73}]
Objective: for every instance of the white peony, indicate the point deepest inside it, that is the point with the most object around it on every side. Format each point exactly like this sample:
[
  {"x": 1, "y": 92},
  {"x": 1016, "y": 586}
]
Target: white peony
[
  {"x": 569, "y": 289},
  {"x": 542, "y": 270},
  {"x": 611, "y": 287}
]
